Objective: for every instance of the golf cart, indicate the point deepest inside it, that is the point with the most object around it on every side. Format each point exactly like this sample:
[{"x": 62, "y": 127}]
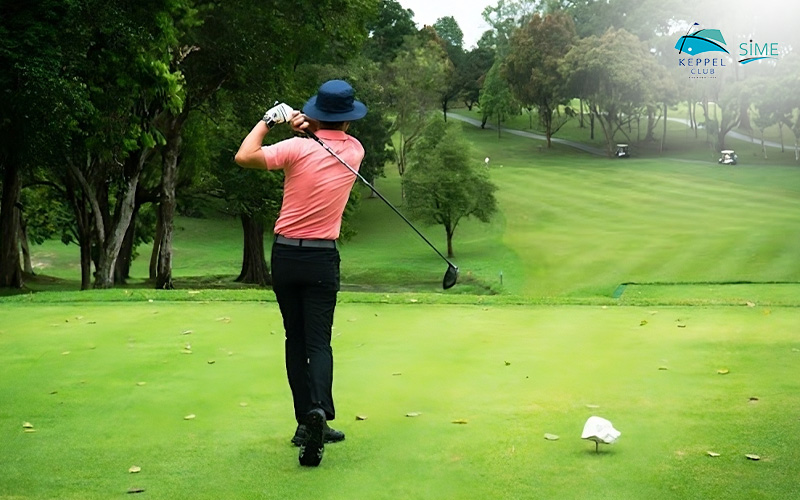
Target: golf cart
[
  {"x": 729, "y": 157},
  {"x": 622, "y": 151}
]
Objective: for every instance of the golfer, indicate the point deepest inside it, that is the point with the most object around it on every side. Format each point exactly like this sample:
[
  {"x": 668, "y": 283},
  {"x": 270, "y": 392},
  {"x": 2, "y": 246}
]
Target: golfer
[{"x": 305, "y": 259}]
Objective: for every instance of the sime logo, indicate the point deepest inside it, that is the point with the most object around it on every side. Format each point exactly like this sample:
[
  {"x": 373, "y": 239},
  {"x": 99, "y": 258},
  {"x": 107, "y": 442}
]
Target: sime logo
[{"x": 757, "y": 52}]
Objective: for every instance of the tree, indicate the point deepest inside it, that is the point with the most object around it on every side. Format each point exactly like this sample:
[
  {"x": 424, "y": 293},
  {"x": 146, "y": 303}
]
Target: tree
[
  {"x": 504, "y": 18},
  {"x": 414, "y": 81},
  {"x": 445, "y": 183},
  {"x": 477, "y": 62},
  {"x": 388, "y": 30},
  {"x": 532, "y": 67},
  {"x": 452, "y": 40},
  {"x": 496, "y": 99},
  {"x": 448, "y": 30},
  {"x": 600, "y": 71}
]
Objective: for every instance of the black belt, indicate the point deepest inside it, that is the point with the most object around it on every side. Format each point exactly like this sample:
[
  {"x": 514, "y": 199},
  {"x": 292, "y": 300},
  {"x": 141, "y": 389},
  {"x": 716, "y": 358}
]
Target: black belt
[{"x": 305, "y": 243}]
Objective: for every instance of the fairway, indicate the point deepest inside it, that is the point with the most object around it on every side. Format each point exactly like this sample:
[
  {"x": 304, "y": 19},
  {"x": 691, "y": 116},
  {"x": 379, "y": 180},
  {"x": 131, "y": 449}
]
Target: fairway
[{"x": 107, "y": 386}]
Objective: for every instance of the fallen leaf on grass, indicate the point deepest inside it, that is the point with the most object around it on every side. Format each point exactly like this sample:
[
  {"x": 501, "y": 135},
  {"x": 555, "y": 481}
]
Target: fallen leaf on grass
[
  {"x": 135, "y": 469},
  {"x": 187, "y": 332},
  {"x": 713, "y": 454},
  {"x": 65, "y": 353},
  {"x": 189, "y": 417},
  {"x": 136, "y": 490},
  {"x": 551, "y": 437},
  {"x": 243, "y": 404},
  {"x": 461, "y": 421},
  {"x": 413, "y": 414},
  {"x": 224, "y": 319},
  {"x": 211, "y": 361},
  {"x": 750, "y": 304},
  {"x": 643, "y": 322},
  {"x": 593, "y": 407},
  {"x": 723, "y": 371},
  {"x": 361, "y": 417},
  {"x": 681, "y": 326},
  {"x": 27, "y": 425},
  {"x": 29, "y": 431},
  {"x": 397, "y": 374},
  {"x": 186, "y": 351},
  {"x": 141, "y": 383},
  {"x": 750, "y": 456},
  {"x": 508, "y": 363},
  {"x": 663, "y": 368}
]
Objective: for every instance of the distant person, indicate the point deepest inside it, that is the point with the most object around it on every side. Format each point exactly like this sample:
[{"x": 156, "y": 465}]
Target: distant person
[{"x": 305, "y": 259}]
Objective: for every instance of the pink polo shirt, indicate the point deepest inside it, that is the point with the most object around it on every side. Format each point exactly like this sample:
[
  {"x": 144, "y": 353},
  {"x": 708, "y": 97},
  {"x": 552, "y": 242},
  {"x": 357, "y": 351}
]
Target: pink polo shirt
[{"x": 316, "y": 186}]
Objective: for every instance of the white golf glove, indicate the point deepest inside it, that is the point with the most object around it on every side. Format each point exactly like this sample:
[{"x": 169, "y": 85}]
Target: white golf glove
[{"x": 280, "y": 113}]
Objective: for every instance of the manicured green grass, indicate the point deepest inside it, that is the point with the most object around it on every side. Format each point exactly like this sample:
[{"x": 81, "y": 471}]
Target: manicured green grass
[
  {"x": 513, "y": 373},
  {"x": 708, "y": 256},
  {"x": 570, "y": 226}
]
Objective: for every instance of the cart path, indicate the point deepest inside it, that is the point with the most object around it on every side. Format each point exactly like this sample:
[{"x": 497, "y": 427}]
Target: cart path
[{"x": 590, "y": 149}]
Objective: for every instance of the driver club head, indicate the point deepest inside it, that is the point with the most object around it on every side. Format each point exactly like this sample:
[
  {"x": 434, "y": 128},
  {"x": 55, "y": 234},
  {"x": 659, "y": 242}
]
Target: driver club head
[{"x": 450, "y": 277}]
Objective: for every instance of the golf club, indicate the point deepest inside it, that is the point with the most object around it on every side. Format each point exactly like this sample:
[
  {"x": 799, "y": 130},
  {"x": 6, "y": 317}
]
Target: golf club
[{"x": 451, "y": 275}]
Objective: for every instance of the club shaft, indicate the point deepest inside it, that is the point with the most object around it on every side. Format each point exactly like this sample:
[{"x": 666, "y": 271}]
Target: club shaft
[{"x": 378, "y": 194}]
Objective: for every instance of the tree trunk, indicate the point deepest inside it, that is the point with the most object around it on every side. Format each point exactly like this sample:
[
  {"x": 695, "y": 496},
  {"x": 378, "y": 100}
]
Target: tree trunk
[
  {"x": 591, "y": 125},
  {"x": 580, "y": 102},
  {"x": 83, "y": 225},
  {"x": 122, "y": 270},
  {"x": 23, "y": 243},
  {"x": 651, "y": 124},
  {"x": 664, "y": 134},
  {"x": 449, "y": 233},
  {"x": 126, "y": 201},
  {"x": 254, "y": 266},
  {"x": 153, "y": 269},
  {"x": 169, "y": 178},
  {"x": 10, "y": 270},
  {"x": 780, "y": 130}
]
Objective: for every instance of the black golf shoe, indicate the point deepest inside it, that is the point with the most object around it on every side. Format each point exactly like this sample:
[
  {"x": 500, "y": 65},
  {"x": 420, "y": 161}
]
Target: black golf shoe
[
  {"x": 313, "y": 447},
  {"x": 331, "y": 435}
]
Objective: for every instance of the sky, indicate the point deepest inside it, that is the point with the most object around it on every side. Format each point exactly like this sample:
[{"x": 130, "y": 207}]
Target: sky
[{"x": 467, "y": 14}]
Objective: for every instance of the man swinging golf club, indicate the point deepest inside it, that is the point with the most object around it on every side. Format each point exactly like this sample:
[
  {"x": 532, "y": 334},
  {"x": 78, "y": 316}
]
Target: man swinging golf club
[{"x": 305, "y": 259}]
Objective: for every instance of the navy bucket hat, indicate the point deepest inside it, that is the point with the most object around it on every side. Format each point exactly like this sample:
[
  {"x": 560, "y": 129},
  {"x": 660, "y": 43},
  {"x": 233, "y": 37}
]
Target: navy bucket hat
[{"x": 334, "y": 102}]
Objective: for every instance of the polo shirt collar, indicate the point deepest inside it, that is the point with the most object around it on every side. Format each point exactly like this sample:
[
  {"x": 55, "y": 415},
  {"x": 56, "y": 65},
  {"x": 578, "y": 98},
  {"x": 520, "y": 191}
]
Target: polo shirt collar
[{"x": 331, "y": 135}]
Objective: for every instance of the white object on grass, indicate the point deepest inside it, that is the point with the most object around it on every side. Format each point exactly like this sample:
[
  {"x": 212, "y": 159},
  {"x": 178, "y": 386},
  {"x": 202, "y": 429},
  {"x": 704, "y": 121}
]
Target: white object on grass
[{"x": 599, "y": 430}]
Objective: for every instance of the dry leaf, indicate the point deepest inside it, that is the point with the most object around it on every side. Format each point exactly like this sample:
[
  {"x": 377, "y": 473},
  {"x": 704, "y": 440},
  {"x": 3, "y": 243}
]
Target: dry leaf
[
  {"x": 712, "y": 454},
  {"x": 141, "y": 383},
  {"x": 413, "y": 301},
  {"x": 189, "y": 417},
  {"x": 243, "y": 404},
  {"x": 187, "y": 351},
  {"x": 361, "y": 417},
  {"x": 135, "y": 469},
  {"x": 29, "y": 430},
  {"x": 551, "y": 437},
  {"x": 643, "y": 322},
  {"x": 395, "y": 374},
  {"x": 27, "y": 425},
  {"x": 508, "y": 363},
  {"x": 413, "y": 414},
  {"x": 65, "y": 353},
  {"x": 211, "y": 361},
  {"x": 662, "y": 368},
  {"x": 750, "y": 304},
  {"x": 187, "y": 332},
  {"x": 136, "y": 490},
  {"x": 460, "y": 421},
  {"x": 593, "y": 407},
  {"x": 750, "y": 456},
  {"x": 723, "y": 371}
]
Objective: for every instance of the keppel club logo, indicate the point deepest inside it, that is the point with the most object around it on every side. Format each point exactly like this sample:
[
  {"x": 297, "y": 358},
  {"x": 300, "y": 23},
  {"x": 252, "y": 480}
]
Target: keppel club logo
[
  {"x": 705, "y": 40},
  {"x": 699, "y": 42}
]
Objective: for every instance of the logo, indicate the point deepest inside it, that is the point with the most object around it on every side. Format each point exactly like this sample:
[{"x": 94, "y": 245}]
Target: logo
[
  {"x": 757, "y": 51},
  {"x": 704, "y": 40},
  {"x": 690, "y": 46}
]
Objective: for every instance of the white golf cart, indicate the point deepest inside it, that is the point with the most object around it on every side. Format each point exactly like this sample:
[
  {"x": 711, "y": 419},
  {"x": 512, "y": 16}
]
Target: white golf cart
[
  {"x": 622, "y": 151},
  {"x": 729, "y": 157}
]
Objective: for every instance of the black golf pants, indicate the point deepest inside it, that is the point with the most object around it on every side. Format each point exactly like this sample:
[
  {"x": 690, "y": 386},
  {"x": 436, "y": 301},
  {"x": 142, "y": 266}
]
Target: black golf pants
[{"x": 305, "y": 282}]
